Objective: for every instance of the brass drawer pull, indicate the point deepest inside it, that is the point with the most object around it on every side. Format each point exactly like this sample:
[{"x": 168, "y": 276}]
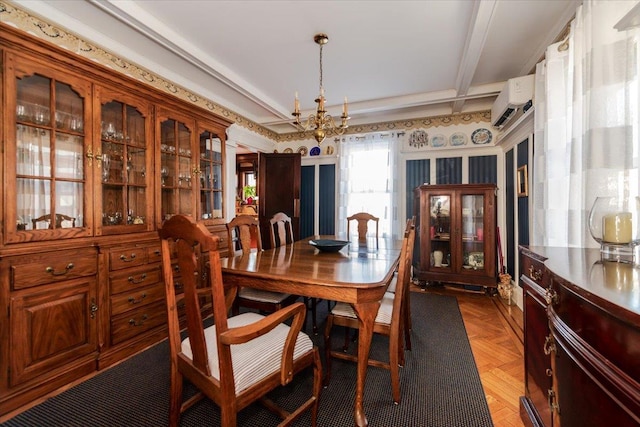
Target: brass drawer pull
[
  {"x": 52, "y": 271},
  {"x": 551, "y": 296},
  {"x": 135, "y": 282},
  {"x": 133, "y": 322},
  {"x": 132, "y": 300},
  {"x": 549, "y": 345},
  {"x": 535, "y": 274},
  {"x": 93, "y": 308},
  {"x": 123, "y": 258}
]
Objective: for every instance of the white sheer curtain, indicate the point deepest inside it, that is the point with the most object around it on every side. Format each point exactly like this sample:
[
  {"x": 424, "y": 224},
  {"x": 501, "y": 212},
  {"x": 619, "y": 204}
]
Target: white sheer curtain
[
  {"x": 586, "y": 124},
  {"x": 368, "y": 181}
]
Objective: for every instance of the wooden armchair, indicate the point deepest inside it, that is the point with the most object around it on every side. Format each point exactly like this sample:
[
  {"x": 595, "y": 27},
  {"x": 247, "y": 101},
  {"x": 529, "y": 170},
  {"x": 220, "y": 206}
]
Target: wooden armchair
[
  {"x": 390, "y": 320},
  {"x": 237, "y": 360},
  {"x": 363, "y": 219},
  {"x": 58, "y": 222},
  {"x": 244, "y": 232}
]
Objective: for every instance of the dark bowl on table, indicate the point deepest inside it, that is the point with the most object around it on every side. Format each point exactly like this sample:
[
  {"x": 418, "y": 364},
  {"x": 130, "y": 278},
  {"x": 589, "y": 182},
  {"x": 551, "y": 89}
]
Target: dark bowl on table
[{"x": 328, "y": 245}]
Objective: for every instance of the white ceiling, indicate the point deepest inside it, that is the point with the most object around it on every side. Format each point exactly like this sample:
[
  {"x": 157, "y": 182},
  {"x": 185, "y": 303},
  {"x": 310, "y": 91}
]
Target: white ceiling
[{"x": 394, "y": 60}]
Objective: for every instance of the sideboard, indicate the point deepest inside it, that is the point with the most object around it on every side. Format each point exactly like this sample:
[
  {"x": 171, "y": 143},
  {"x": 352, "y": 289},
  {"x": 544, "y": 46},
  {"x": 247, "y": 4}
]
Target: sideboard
[{"x": 582, "y": 339}]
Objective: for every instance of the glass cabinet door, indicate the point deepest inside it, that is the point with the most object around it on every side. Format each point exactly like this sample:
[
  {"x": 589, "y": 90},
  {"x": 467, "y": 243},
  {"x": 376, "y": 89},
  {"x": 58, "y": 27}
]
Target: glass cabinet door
[
  {"x": 123, "y": 162},
  {"x": 48, "y": 117},
  {"x": 211, "y": 172},
  {"x": 440, "y": 231},
  {"x": 176, "y": 168},
  {"x": 473, "y": 251}
]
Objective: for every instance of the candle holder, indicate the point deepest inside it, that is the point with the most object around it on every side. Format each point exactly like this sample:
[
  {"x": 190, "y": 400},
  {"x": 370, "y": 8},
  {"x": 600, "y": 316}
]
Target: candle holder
[{"x": 613, "y": 223}]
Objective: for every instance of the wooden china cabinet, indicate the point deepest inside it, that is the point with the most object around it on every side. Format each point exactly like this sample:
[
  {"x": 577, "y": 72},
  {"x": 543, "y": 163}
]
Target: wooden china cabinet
[
  {"x": 457, "y": 234},
  {"x": 92, "y": 163}
]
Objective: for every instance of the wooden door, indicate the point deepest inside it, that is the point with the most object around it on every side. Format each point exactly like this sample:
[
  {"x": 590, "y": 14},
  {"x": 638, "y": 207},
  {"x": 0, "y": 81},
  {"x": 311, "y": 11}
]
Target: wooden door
[{"x": 278, "y": 190}]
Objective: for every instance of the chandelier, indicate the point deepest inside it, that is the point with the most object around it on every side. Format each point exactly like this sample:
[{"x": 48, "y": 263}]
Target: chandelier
[{"x": 321, "y": 122}]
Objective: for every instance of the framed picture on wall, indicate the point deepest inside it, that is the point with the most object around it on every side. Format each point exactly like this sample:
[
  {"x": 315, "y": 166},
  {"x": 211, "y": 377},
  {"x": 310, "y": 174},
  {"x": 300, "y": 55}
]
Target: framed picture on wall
[{"x": 523, "y": 184}]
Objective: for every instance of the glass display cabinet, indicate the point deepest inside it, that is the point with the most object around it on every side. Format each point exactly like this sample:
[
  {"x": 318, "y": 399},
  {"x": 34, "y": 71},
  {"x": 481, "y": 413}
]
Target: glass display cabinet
[
  {"x": 211, "y": 175},
  {"x": 177, "y": 167},
  {"x": 457, "y": 234},
  {"x": 123, "y": 162},
  {"x": 46, "y": 164}
]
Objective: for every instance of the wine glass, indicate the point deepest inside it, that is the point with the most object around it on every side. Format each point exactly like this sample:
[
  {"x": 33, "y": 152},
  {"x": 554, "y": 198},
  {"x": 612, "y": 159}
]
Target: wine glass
[
  {"x": 111, "y": 130},
  {"x": 164, "y": 173},
  {"x": 106, "y": 167}
]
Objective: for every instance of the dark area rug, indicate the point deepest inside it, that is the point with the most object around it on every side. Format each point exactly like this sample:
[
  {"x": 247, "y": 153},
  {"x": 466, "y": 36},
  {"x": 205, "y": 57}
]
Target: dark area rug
[{"x": 440, "y": 386}]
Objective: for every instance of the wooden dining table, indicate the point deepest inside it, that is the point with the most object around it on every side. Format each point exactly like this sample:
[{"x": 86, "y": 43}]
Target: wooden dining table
[{"x": 358, "y": 274}]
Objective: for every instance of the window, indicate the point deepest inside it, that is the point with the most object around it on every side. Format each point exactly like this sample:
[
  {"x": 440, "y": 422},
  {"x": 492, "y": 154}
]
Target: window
[{"x": 367, "y": 181}]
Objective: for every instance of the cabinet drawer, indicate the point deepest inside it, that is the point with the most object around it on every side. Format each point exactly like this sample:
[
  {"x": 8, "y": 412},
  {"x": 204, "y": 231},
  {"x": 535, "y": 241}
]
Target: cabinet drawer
[
  {"x": 51, "y": 267},
  {"x": 127, "y": 257},
  {"x": 154, "y": 254},
  {"x": 223, "y": 244},
  {"x": 532, "y": 268},
  {"x": 136, "y": 298},
  {"x": 135, "y": 278},
  {"x": 135, "y": 322}
]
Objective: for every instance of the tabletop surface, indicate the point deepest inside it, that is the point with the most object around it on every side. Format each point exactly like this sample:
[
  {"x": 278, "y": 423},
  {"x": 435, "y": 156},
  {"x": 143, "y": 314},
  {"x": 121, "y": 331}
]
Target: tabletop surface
[
  {"x": 617, "y": 283},
  {"x": 356, "y": 265}
]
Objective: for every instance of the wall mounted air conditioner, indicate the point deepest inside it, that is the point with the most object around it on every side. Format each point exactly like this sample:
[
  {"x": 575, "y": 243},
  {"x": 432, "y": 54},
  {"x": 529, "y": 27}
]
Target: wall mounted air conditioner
[{"x": 515, "y": 96}]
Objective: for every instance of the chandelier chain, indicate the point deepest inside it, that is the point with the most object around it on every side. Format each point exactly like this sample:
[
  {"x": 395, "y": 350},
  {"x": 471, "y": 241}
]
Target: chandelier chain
[{"x": 321, "y": 45}]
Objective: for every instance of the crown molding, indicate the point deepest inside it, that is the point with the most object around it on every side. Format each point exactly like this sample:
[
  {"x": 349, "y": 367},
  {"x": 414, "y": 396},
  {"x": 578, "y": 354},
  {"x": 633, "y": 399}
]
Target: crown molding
[{"x": 41, "y": 28}]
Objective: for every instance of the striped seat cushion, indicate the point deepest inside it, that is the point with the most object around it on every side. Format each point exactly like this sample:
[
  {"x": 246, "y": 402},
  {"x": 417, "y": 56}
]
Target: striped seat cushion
[
  {"x": 384, "y": 313},
  {"x": 253, "y": 360},
  {"x": 262, "y": 296},
  {"x": 393, "y": 283}
]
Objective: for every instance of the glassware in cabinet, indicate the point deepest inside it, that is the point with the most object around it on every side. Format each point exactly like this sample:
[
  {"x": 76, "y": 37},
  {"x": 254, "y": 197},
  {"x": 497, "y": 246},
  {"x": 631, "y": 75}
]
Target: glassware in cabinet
[
  {"x": 440, "y": 230},
  {"x": 123, "y": 160},
  {"x": 473, "y": 231},
  {"x": 211, "y": 147},
  {"x": 176, "y": 168},
  {"x": 48, "y": 111}
]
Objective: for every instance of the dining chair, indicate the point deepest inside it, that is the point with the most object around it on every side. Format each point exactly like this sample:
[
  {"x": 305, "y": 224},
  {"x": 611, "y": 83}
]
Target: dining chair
[
  {"x": 407, "y": 291},
  {"x": 244, "y": 236},
  {"x": 281, "y": 232},
  {"x": 237, "y": 360},
  {"x": 389, "y": 320},
  {"x": 362, "y": 219}
]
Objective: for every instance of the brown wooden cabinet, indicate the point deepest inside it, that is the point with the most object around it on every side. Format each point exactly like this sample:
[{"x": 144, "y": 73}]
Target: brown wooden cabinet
[
  {"x": 83, "y": 193},
  {"x": 581, "y": 365},
  {"x": 51, "y": 336},
  {"x": 457, "y": 234}
]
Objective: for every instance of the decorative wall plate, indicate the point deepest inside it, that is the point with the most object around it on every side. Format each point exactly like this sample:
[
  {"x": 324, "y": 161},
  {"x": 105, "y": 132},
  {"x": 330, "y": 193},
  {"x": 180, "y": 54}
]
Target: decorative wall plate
[
  {"x": 458, "y": 138},
  {"x": 481, "y": 136},
  {"x": 288, "y": 150},
  {"x": 303, "y": 150},
  {"x": 438, "y": 140},
  {"x": 418, "y": 138},
  {"x": 315, "y": 151}
]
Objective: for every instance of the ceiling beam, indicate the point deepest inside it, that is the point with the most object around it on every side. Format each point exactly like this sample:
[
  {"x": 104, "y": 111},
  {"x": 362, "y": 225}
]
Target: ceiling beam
[{"x": 481, "y": 16}]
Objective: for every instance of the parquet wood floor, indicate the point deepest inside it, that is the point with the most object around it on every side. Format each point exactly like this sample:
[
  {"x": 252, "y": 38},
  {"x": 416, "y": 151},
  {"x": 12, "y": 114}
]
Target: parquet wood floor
[{"x": 495, "y": 334}]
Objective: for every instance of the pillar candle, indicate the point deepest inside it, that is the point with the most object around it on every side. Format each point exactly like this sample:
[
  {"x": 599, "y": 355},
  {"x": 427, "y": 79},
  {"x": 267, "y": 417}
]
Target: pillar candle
[{"x": 616, "y": 228}]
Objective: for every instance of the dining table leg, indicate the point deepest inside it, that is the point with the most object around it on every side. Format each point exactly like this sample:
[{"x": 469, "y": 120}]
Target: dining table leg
[{"x": 366, "y": 313}]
